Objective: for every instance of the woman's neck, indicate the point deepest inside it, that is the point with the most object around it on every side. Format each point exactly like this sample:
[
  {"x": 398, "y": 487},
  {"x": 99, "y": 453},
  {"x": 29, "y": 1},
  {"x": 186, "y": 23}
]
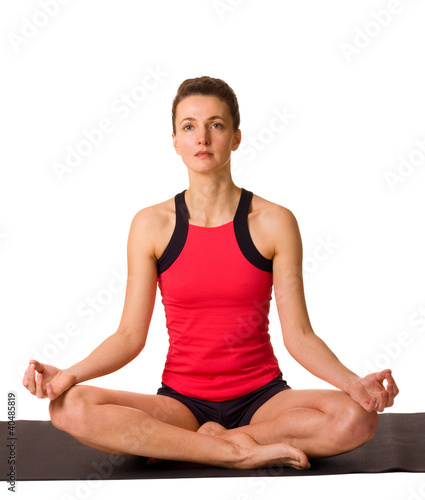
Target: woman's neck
[{"x": 212, "y": 203}]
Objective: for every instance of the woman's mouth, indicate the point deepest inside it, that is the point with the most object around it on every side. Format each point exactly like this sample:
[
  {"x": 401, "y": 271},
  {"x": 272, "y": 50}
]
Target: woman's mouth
[{"x": 203, "y": 154}]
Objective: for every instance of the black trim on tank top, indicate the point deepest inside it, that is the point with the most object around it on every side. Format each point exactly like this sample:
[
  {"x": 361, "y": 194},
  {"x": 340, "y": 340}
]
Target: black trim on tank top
[
  {"x": 240, "y": 225},
  {"x": 179, "y": 236},
  {"x": 243, "y": 237}
]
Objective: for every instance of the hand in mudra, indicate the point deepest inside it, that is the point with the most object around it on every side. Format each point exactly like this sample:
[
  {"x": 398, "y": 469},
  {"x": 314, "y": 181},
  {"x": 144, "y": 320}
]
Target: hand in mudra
[
  {"x": 371, "y": 393},
  {"x": 47, "y": 381}
]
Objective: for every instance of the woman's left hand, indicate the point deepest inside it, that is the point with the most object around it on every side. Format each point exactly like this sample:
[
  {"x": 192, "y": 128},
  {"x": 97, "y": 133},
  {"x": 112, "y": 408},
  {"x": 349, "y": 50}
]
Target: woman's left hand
[{"x": 371, "y": 393}]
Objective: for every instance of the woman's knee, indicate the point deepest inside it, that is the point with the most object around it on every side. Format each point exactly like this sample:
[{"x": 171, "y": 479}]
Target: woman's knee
[
  {"x": 67, "y": 411},
  {"x": 370, "y": 424},
  {"x": 356, "y": 426}
]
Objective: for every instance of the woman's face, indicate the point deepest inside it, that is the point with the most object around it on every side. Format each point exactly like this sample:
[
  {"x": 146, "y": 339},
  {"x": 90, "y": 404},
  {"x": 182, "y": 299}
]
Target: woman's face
[{"x": 204, "y": 123}]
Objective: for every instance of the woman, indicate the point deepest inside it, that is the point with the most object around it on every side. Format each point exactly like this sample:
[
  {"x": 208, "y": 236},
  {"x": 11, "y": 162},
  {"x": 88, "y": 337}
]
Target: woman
[{"x": 215, "y": 251}]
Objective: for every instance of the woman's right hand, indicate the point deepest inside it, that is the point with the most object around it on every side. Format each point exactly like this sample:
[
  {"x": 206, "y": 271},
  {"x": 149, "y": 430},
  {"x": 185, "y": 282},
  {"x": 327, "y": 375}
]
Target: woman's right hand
[{"x": 47, "y": 381}]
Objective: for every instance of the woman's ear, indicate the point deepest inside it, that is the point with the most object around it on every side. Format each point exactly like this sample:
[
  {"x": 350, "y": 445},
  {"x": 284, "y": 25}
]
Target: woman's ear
[
  {"x": 175, "y": 144},
  {"x": 237, "y": 140}
]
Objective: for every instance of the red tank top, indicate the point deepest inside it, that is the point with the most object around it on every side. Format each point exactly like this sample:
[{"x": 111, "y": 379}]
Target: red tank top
[{"x": 216, "y": 289}]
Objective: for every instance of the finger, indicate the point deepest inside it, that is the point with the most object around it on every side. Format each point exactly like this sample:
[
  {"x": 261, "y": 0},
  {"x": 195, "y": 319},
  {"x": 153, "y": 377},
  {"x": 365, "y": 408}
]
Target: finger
[
  {"x": 50, "y": 393},
  {"x": 390, "y": 400},
  {"x": 394, "y": 385},
  {"x": 31, "y": 379},
  {"x": 370, "y": 406},
  {"x": 25, "y": 378},
  {"x": 39, "y": 386},
  {"x": 396, "y": 389},
  {"x": 374, "y": 405},
  {"x": 390, "y": 390},
  {"x": 382, "y": 401},
  {"x": 40, "y": 367},
  {"x": 380, "y": 376}
]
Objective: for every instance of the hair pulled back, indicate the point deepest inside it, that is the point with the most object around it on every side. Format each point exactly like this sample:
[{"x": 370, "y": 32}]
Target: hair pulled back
[{"x": 205, "y": 85}]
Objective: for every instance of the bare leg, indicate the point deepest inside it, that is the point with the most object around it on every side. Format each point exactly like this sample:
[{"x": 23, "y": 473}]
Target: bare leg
[
  {"x": 319, "y": 422},
  {"x": 159, "y": 427}
]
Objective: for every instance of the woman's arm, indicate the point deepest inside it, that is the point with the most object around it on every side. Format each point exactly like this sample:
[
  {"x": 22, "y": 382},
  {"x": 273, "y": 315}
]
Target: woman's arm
[
  {"x": 129, "y": 339},
  {"x": 298, "y": 335}
]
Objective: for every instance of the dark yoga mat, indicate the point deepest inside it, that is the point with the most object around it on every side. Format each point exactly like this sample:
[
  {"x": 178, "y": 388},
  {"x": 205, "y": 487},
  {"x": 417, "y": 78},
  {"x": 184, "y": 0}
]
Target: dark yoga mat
[{"x": 45, "y": 453}]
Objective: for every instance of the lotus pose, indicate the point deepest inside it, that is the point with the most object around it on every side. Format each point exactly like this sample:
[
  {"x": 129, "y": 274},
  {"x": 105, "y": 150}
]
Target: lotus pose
[{"x": 215, "y": 251}]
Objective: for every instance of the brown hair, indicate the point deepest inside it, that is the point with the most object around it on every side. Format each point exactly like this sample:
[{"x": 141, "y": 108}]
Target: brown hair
[{"x": 206, "y": 85}]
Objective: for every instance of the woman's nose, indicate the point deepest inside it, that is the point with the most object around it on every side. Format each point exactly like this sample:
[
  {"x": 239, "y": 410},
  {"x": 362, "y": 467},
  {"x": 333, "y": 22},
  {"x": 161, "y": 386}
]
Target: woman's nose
[{"x": 204, "y": 137}]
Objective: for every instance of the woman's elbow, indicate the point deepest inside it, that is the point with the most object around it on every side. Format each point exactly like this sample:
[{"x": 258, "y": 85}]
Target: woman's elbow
[{"x": 133, "y": 340}]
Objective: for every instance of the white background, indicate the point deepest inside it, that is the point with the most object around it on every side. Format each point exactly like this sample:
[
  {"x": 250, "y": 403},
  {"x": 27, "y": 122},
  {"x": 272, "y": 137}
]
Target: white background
[{"x": 352, "y": 114}]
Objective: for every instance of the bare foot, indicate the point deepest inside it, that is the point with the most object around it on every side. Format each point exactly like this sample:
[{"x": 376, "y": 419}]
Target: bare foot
[
  {"x": 249, "y": 454},
  {"x": 253, "y": 455}
]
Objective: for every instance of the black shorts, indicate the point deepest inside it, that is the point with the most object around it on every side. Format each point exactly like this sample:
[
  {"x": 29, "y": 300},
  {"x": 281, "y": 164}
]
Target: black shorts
[{"x": 233, "y": 412}]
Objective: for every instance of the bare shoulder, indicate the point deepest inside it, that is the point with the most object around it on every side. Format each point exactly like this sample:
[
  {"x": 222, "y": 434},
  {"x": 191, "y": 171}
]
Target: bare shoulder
[
  {"x": 273, "y": 224},
  {"x": 153, "y": 226},
  {"x": 148, "y": 217},
  {"x": 271, "y": 213}
]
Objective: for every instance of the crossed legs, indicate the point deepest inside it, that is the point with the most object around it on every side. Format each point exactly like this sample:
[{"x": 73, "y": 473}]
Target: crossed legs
[
  {"x": 156, "y": 426},
  {"x": 319, "y": 422},
  {"x": 290, "y": 427}
]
